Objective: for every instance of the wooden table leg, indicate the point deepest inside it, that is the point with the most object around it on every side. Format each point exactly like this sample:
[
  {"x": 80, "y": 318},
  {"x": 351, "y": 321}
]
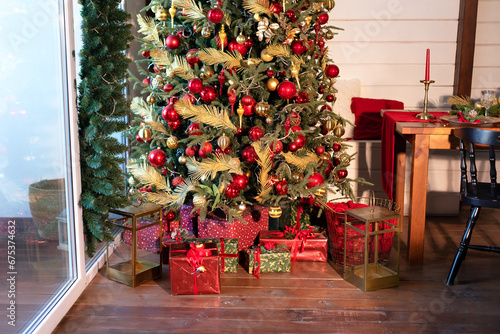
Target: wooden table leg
[
  {"x": 400, "y": 169},
  {"x": 418, "y": 197}
]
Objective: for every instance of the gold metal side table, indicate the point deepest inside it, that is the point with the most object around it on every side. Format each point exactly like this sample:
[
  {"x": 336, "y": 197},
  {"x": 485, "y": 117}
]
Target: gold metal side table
[{"x": 126, "y": 272}]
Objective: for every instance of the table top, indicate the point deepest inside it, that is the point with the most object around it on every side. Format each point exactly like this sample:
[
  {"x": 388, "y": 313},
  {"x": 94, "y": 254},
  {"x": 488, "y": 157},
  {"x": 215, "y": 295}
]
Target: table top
[
  {"x": 141, "y": 210},
  {"x": 436, "y": 127}
]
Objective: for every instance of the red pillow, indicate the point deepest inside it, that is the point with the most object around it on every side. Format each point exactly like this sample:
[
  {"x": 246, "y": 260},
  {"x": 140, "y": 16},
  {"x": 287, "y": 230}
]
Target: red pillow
[{"x": 368, "y": 120}]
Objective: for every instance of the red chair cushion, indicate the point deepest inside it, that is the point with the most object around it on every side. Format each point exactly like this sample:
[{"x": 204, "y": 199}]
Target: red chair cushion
[{"x": 367, "y": 116}]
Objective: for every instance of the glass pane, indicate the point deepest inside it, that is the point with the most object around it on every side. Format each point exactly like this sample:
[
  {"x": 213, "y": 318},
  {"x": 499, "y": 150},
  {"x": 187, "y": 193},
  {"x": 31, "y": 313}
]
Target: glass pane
[{"x": 36, "y": 217}]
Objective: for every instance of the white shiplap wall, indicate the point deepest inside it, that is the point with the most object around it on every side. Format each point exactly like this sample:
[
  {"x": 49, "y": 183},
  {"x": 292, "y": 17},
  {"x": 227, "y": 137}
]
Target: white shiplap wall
[{"x": 384, "y": 43}]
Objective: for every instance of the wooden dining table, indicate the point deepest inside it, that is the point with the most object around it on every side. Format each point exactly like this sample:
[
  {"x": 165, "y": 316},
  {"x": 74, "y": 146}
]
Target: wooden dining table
[{"x": 422, "y": 136}]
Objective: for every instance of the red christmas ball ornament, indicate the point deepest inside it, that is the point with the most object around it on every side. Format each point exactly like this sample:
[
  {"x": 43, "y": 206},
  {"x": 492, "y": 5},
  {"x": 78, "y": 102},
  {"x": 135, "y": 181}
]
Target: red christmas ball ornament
[
  {"x": 220, "y": 3},
  {"x": 157, "y": 157},
  {"x": 218, "y": 41},
  {"x": 255, "y": 133},
  {"x": 146, "y": 81},
  {"x": 329, "y": 166},
  {"x": 207, "y": 148},
  {"x": 300, "y": 141},
  {"x": 240, "y": 181},
  {"x": 235, "y": 46},
  {"x": 195, "y": 85},
  {"x": 330, "y": 98},
  {"x": 172, "y": 42},
  {"x": 294, "y": 118},
  {"x": 276, "y": 8},
  {"x": 270, "y": 73},
  {"x": 247, "y": 100},
  {"x": 323, "y": 18},
  {"x": 336, "y": 147},
  {"x": 194, "y": 129},
  {"x": 298, "y": 48},
  {"x": 291, "y": 14},
  {"x": 248, "y": 43},
  {"x": 281, "y": 187},
  {"x": 303, "y": 97},
  {"x": 286, "y": 90},
  {"x": 169, "y": 113},
  {"x": 248, "y": 110},
  {"x": 201, "y": 154},
  {"x": 177, "y": 180},
  {"x": 168, "y": 87},
  {"x": 321, "y": 89},
  {"x": 325, "y": 107},
  {"x": 342, "y": 174},
  {"x": 320, "y": 149},
  {"x": 192, "y": 57},
  {"x": 232, "y": 191},
  {"x": 296, "y": 128},
  {"x": 190, "y": 151},
  {"x": 170, "y": 215},
  {"x": 208, "y": 94},
  {"x": 332, "y": 71},
  {"x": 145, "y": 54},
  {"x": 249, "y": 155},
  {"x": 175, "y": 124},
  {"x": 189, "y": 97},
  {"x": 215, "y": 15},
  {"x": 316, "y": 180},
  {"x": 138, "y": 138},
  {"x": 293, "y": 146},
  {"x": 276, "y": 146}
]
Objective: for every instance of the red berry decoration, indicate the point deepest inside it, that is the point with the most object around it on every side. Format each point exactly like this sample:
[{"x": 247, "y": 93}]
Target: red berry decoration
[
  {"x": 172, "y": 42},
  {"x": 293, "y": 146},
  {"x": 342, "y": 174},
  {"x": 248, "y": 43},
  {"x": 298, "y": 48},
  {"x": 168, "y": 87},
  {"x": 145, "y": 54},
  {"x": 323, "y": 18},
  {"x": 232, "y": 191},
  {"x": 190, "y": 151},
  {"x": 281, "y": 187},
  {"x": 332, "y": 71},
  {"x": 316, "y": 180},
  {"x": 240, "y": 181},
  {"x": 215, "y": 15},
  {"x": 320, "y": 149},
  {"x": 321, "y": 89},
  {"x": 207, "y": 148},
  {"x": 195, "y": 85},
  {"x": 170, "y": 215},
  {"x": 336, "y": 147},
  {"x": 286, "y": 90},
  {"x": 194, "y": 129},
  {"x": 247, "y": 100},
  {"x": 177, "y": 180},
  {"x": 255, "y": 133},
  {"x": 157, "y": 157},
  {"x": 300, "y": 141},
  {"x": 277, "y": 146},
  {"x": 175, "y": 124},
  {"x": 208, "y": 94},
  {"x": 291, "y": 14},
  {"x": 169, "y": 113},
  {"x": 249, "y": 154}
]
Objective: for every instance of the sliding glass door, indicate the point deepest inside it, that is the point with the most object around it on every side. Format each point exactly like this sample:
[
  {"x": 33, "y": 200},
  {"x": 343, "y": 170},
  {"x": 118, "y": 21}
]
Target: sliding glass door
[{"x": 40, "y": 239}]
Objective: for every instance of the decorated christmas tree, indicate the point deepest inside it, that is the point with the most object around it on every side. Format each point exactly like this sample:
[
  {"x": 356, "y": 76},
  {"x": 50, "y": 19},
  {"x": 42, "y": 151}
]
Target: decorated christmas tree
[{"x": 238, "y": 105}]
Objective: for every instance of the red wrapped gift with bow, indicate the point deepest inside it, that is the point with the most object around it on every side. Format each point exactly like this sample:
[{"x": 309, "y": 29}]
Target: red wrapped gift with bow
[
  {"x": 255, "y": 220},
  {"x": 305, "y": 246},
  {"x": 194, "y": 269}
]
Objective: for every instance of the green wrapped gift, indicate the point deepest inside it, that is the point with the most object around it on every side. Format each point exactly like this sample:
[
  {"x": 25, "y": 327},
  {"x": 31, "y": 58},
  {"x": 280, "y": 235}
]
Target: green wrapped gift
[
  {"x": 259, "y": 262},
  {"x": 228, "y": 252},
  {"x": 299, "y": 212}
]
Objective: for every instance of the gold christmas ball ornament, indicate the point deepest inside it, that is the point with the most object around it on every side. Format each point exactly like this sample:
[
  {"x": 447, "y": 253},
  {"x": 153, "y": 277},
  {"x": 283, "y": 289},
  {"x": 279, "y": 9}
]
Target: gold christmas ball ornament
[
  {"x": 206, "y": 72},
  {"x": 223, "y": 142},
  {"x": 329, "y": 125},
  {"x": 161, "y": 13},
  {"x": 199, "y": 200},
  {"x": 151, "y": 99},
  {"x": 158, "y": 82},
  {"x": 205, "y": 32},
  {"x": 269, "y": 120},
  {"x": 478, "y": 105},
  {"x": 265, "y": 56},
  {"x": 173, "y": 142},
  {"x": 145, "y": 134},
  {"x": 272, "y": 84},
  {"x": 329, "y": 35},
  {"x": 262, "y": 108},
  {"x": 248, "y": 173},
  {"x": 296, "y": 177},
  {"x": 241, "y": 39},
  {"x": 338, "y": 131},
  {"x": 329, "y": 4},
  {"x": 320, "y": 192},
  {"x": 307, "y": 20},
  {"x": 252, "y": 62},
  {"x": 345, "y": 158},
  {"x": 183, "y": 159},
  {"x": 325, "y": 156},
  {"x": 242, "y": 207},
  {"x": 275, "y": 212},
  {"x": 235, "y": 163}
]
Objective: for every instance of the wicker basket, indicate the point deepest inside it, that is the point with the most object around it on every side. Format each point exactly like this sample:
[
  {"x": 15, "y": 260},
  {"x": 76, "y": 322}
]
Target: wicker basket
[
  {"x": 355, "y": 241},
  {"x": 47, "y": 199}
]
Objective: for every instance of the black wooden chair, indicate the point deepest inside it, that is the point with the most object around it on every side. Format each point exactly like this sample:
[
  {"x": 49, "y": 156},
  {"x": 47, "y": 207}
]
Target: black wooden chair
[{"x": 472, "y": 192}]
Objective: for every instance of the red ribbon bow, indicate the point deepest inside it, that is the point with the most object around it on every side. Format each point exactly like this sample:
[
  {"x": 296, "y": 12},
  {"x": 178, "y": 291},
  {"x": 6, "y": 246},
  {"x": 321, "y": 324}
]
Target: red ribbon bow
[
  {"x": 461, "y": 118},
  {"x": 195, "y": 259}
]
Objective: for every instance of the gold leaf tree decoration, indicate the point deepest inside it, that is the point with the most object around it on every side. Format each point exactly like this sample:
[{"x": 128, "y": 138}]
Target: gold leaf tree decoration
[
  {"x": 459, "y": 100},
  {"x": 299, "y": 162},
  {"x": 175, "y": 199},
  {"x": 141, "y": 109},
  {"x": 148, "y": 175},
  {"x": 161, "y": 57},
  {"x": 278, "y": 50},
  {"x": 181, "y": 68},
  {"x": 257, "y": 6},
  {"x": 265, "y": 164},
  {"x": 190, "y": 9},
  {"x": 148, "y": 27},
  {"x": 208, "y": 168},
  {"x": 212, "y": 56},
  {"x": 209, "y": 115}
]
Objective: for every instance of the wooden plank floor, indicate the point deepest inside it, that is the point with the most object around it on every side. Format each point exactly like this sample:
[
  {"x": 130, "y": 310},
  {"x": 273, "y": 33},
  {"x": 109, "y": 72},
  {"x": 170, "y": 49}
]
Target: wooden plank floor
[{"x": 313, "y": 298}]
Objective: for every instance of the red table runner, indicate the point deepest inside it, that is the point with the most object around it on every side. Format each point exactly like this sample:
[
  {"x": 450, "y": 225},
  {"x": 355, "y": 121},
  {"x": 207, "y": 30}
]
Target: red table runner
[{"x": 388, "y": 132}]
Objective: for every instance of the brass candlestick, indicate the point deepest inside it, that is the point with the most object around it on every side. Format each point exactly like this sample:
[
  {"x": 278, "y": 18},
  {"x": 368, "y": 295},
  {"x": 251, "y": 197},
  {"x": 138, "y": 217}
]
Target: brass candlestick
[{"x": 425, "y": 114}]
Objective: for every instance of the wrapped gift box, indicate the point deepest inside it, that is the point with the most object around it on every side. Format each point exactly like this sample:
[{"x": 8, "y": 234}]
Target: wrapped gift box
[
  {"x": 304, "y": 247},
  {"x": 228, "y": 252},
  {"x": 177, "y": 236},
  {"x": 299, "y": 215},
  {"x": 194, "y": 271},
  {"x": 187, "y": 220},
  {"x": 148, "y": 238},
  {"x": 257, "y": 262},
  {"x": 255, "y": 220}
]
